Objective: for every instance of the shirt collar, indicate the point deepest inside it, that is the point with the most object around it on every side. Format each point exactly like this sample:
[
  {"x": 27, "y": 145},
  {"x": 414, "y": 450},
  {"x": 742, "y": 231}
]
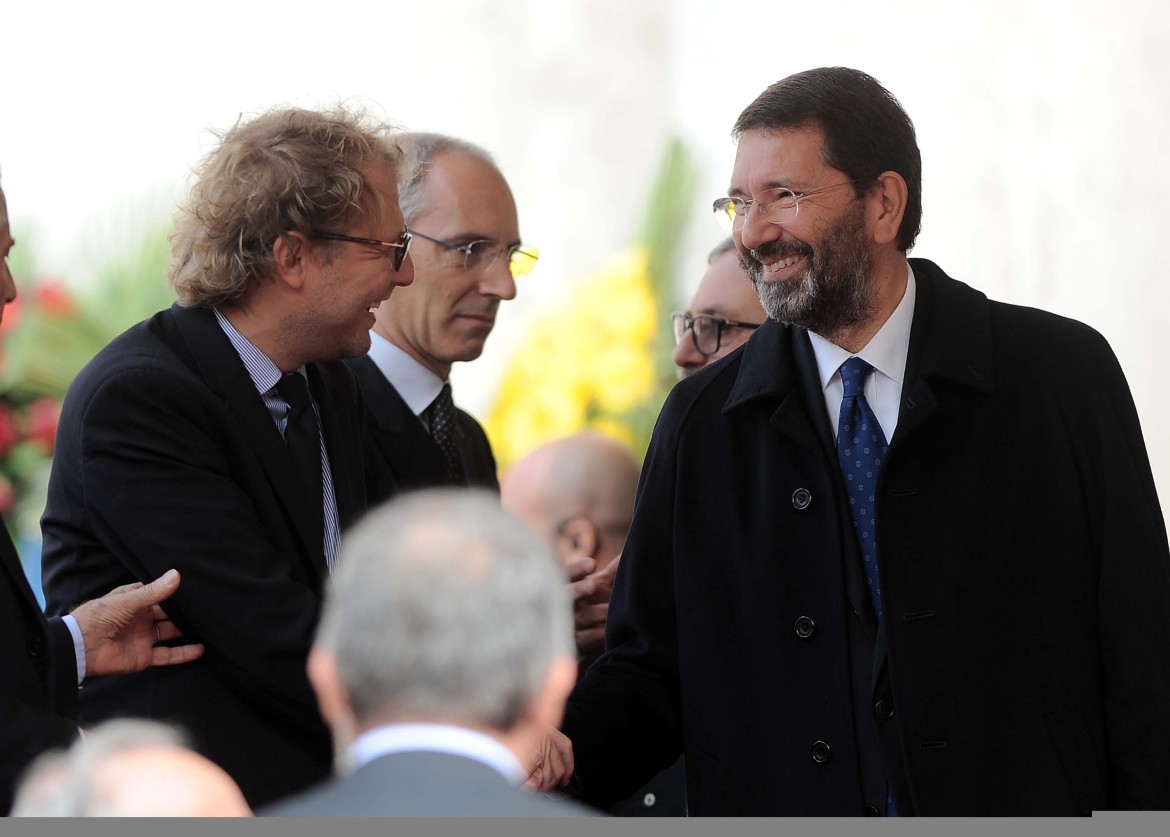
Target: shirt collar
[
  {"x": 265, "y": 374},
  {"x": 437, "y": 738},
  {"x": 886, "y": 351},
  {"x": 417, "y": 385}
]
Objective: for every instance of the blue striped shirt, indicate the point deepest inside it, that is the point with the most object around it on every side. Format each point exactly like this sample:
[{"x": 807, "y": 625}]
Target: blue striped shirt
[{"x": 265, "y": 376}]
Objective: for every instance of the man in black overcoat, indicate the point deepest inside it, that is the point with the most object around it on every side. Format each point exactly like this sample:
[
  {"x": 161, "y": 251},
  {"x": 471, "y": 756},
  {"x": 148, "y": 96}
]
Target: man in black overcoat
[{"x": 902, "y": 553}]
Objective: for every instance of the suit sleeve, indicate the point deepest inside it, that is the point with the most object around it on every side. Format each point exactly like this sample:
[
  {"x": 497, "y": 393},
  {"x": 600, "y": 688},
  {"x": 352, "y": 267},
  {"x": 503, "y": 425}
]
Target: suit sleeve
[
  {"x": 145, "y": 464},
  {"x": 30, "y": 720},
  {"x": 624, "y": 717},
  {"x": 1133, "y": 591}
]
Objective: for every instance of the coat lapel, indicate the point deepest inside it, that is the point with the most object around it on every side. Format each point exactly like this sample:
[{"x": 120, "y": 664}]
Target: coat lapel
[
  {"x": 225, "y": 374},
  {"x": 408, "y": 450},
  {"x": 342, "y": 437}
]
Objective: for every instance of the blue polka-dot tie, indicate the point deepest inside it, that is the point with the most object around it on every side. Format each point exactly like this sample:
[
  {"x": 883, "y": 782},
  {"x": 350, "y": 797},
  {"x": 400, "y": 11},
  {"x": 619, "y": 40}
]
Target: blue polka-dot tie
[{"x": 861, "y": 447}]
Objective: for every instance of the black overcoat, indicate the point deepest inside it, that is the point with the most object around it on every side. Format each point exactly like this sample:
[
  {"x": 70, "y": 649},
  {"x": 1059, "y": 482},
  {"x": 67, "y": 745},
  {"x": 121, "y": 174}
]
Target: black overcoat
[{"x": 1023, "y": 663}]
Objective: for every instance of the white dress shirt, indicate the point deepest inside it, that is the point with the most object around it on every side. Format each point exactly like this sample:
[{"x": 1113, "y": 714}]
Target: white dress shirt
[
  {"x": 417, "y": 385},
  {"x": 886, "y": 352},
  {"x": 437, "y": 738}
]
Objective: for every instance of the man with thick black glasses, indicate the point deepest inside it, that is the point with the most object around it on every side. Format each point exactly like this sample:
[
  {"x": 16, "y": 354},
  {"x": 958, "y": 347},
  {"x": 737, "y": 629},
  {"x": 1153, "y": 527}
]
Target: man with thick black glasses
[
  {"x": 724, "y": 312},
  {"x": 222, "y": 437},
  {"x": 467, "y": 255}
]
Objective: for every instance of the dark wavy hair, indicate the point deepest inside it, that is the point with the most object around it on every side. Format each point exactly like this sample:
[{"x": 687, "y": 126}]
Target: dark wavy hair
[{"x": 866, "y": 131}]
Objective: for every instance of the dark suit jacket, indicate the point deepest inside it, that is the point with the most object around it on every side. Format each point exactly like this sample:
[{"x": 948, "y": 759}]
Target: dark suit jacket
[
  {"x": 38, "y": 675},
  {"x": 167, "y": 457},
  {"x": 401, "y": 454},
  {"x": 424, "y": 784},
  {"x": 1023, "y": 663}
]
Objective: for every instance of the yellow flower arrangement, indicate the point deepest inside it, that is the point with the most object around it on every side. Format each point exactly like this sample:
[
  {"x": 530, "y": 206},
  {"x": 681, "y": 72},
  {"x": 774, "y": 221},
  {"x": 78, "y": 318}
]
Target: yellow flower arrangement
[
  {"x": 588, "y": 362},
  {"x": 599, "y": 358}
]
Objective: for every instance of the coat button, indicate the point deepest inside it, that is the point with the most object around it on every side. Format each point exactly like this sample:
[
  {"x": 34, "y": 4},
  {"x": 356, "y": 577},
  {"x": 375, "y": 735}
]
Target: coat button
[
  {"x": 649, "y": 799},
  {"x": 871, "y": 811},
  {"x": 822, "y": 753},
  {"x": 884, "y": 709},
  {"x": 36, "y": 647},
  {"x": 801, "y": 499},
  {"x": 805, "y": 627}
]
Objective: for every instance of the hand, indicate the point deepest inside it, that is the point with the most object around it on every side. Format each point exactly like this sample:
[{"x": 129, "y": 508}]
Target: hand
[
  {"x": 590, "y": 591},
  {"x": 120, "y": 630},
  {"x": 553, "y": 762}
]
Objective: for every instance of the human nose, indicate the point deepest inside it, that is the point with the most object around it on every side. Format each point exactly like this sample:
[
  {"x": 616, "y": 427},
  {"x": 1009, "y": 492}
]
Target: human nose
[
  {"x": 497, "y": 280},
  {"x": 7, "y": 283},
  {"x": 756, "y": 230},
  {"x": 686, "y": 356}
]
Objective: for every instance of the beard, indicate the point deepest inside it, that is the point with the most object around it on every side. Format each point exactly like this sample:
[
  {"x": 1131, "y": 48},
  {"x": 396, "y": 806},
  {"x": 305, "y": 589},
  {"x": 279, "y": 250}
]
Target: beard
[{"x": 835, "y": 294}]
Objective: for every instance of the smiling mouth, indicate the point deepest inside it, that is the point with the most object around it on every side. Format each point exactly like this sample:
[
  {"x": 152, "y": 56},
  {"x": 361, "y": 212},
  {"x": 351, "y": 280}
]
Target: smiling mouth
[{"x": 782, "y": 264}]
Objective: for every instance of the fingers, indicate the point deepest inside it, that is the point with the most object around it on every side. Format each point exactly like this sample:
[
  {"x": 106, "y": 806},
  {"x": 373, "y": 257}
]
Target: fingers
[
  {"x": 158, "y": 590},
  {"x": 579, "y": 567},
  {"x": 590, "y": 616},
  {"x": 125, "y": 588},
  {"x": 558, "y": 764},
  {"x": 165, "y": 630},
  {"x": 590, "y": 641},
  {"x": 166, "y": 655},
  {"x": 609, "y": 572}
]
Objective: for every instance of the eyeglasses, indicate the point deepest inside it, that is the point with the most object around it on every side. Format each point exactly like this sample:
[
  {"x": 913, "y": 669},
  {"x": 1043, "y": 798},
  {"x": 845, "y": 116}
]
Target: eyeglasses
[
  {"x": 400, "y": 247},
  {"x": 482, "y": 254},
  {"x": 780, "y": 206},
  {"x": 706, "y": 330}
]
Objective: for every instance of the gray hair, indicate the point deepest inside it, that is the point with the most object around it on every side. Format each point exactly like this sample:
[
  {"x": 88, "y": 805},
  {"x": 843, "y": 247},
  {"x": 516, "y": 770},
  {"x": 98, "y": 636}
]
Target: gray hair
[
  {"x": 727, "y": 245},
  {"x": 283, "y": 171},
  {"x": 60, "y": 783},
  {"x": 446, "y": 606},
  {"x": 419, "y": 150}
]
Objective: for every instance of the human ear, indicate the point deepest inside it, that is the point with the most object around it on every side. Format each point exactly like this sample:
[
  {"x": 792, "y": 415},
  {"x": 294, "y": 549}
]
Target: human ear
[
  {"x": 290, "y": 255},
  {"x": 886, "y": 206}
]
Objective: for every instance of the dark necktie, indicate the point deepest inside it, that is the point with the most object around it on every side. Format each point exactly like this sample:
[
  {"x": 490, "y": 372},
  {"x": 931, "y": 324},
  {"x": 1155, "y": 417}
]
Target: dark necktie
[
  {"x": 861, "y": 447},
  {"x": 303, "y": 438},
  {"x": 441, "y": 418}
]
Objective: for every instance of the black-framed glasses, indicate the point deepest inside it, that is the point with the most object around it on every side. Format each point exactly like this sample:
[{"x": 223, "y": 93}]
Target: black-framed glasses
[
  {"x": 779, "y": 206},
  {"x": 480, "y": 255},
  {"x": 399, "y": 248},
  {"x": 706, "y": 329}
]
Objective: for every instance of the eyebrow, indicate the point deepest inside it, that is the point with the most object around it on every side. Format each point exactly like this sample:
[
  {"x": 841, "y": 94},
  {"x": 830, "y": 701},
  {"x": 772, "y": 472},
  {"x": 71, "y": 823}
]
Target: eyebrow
[
  {"x": 769, "y": 184},
  {"x": 467, "y": 238}
]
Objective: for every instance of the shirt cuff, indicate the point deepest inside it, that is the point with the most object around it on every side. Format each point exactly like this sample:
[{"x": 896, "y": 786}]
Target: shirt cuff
[{"x": 78, "y": 645}]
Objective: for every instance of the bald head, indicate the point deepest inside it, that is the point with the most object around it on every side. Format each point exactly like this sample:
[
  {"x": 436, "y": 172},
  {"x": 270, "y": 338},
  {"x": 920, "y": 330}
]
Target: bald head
[
  {"x": 164, "y": 782},
  {"x": 578, "y": 491},
  {"x": 128, "y": 768}
]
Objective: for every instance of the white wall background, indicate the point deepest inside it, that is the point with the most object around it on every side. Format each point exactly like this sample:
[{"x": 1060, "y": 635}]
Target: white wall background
[{"x": 1042, "y": 126}]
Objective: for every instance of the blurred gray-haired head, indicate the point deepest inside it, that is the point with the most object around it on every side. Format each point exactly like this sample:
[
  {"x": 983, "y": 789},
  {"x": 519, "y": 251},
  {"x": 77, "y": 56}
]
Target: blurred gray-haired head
[
  {"x": 445, "y": 606},
  {"x": 128, "y": 768}
]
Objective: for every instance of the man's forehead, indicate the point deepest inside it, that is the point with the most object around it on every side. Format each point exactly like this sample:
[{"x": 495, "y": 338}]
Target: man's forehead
[
  {"x": 774, "y": 157},
  {"x": 466, "y": 197}
]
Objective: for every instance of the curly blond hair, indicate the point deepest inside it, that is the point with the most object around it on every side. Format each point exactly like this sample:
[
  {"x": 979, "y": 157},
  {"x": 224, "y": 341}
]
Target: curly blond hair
[{"x": 283, "y": 171}]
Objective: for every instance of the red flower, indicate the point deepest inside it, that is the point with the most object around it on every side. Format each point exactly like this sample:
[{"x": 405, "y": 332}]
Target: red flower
[
  {"x": 53, "y": 298},
  {"x": 7, "y": 495},
  {"x": 41, "y": 422},
  {"x": 11, "y": 315},
  {"x": 8, "y": 431}
]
